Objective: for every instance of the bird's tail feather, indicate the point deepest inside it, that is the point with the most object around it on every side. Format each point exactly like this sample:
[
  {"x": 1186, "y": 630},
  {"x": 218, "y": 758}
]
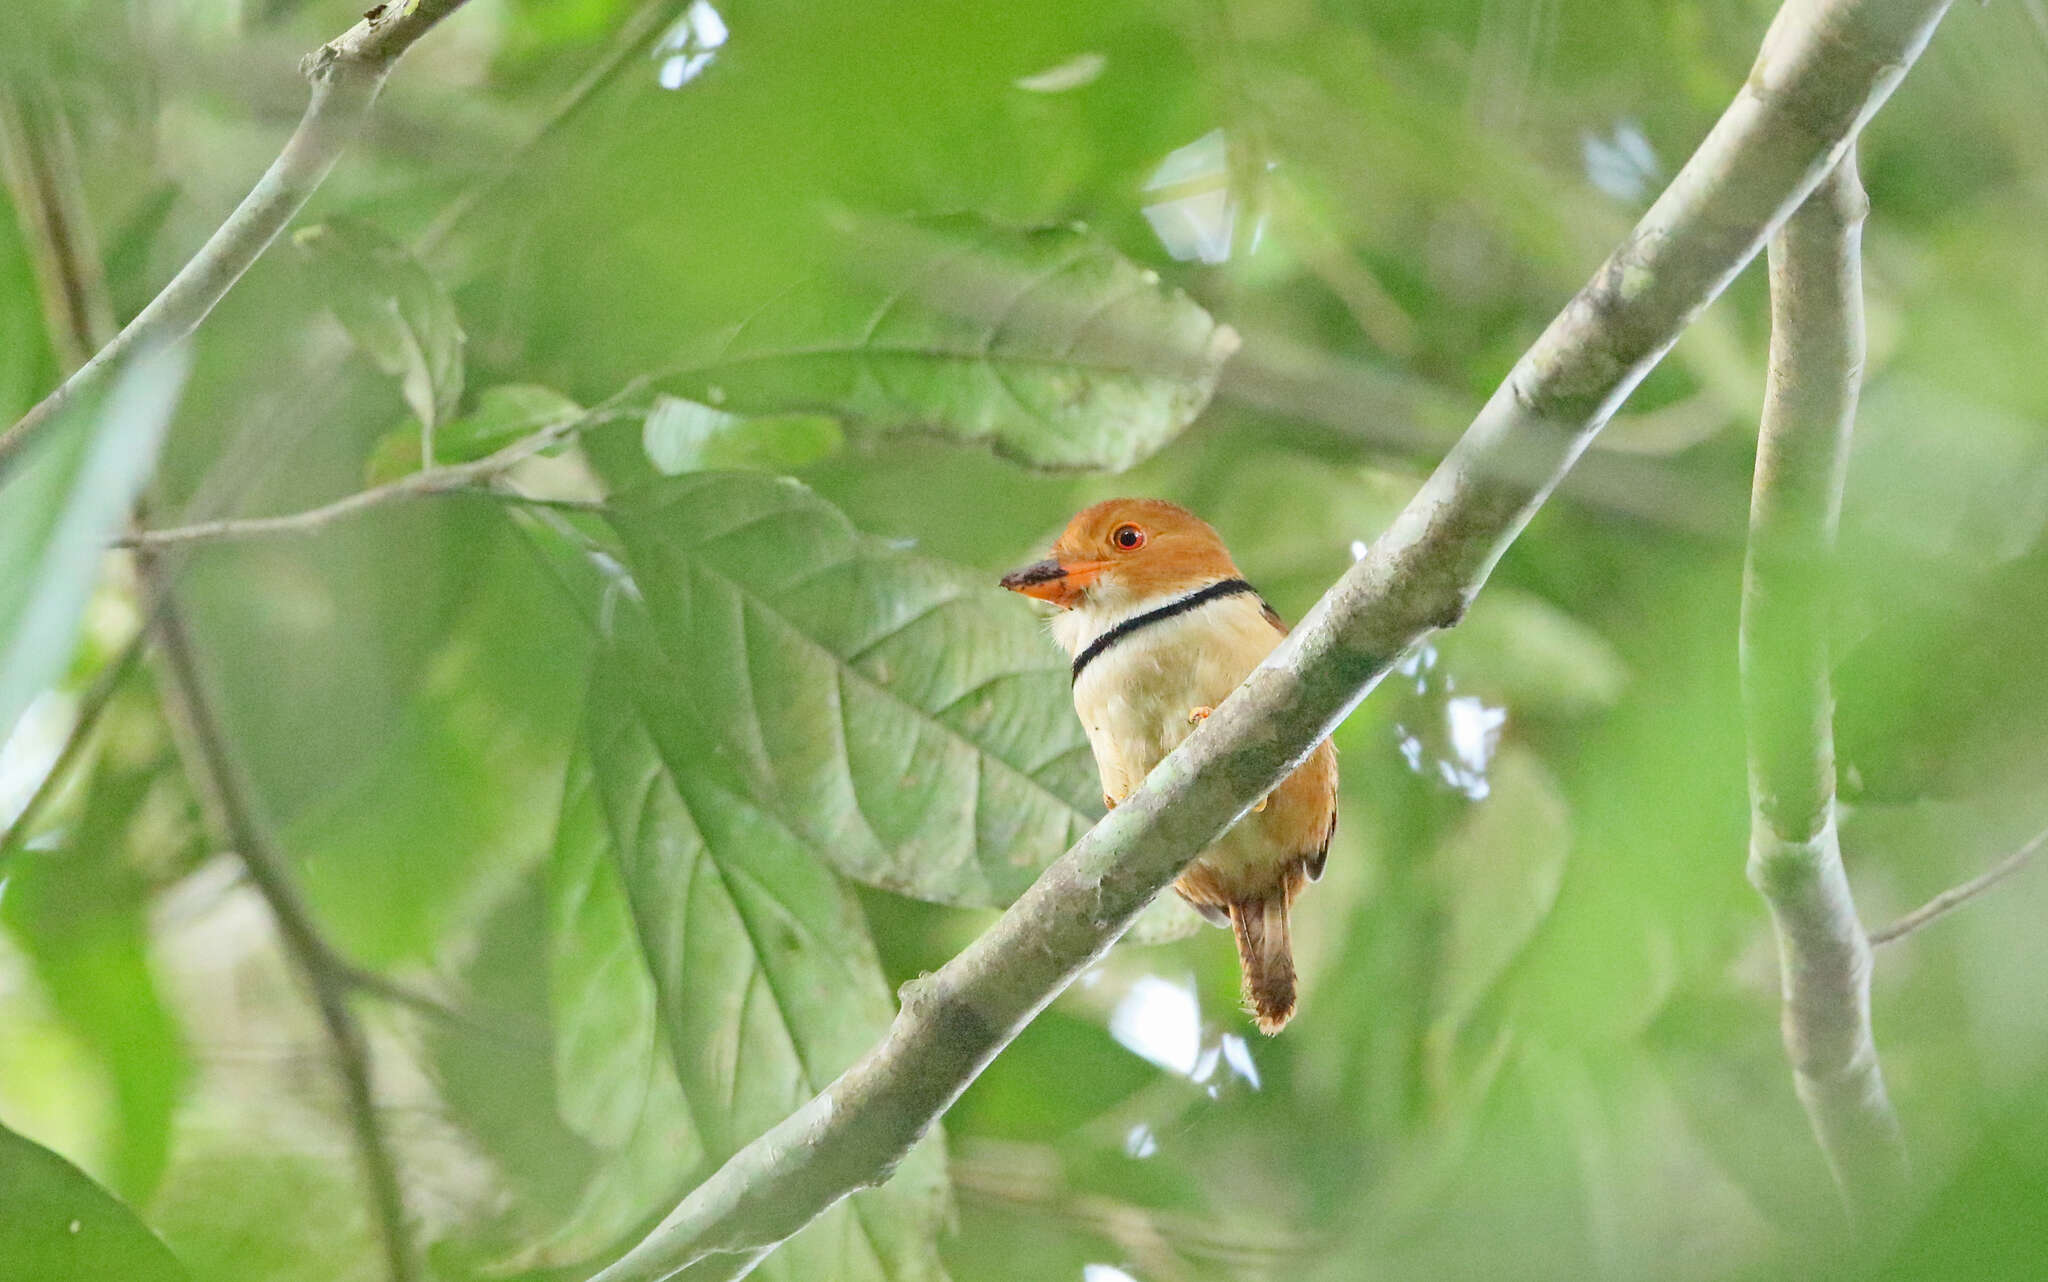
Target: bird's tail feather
[{"x": 1267, "y": 956}]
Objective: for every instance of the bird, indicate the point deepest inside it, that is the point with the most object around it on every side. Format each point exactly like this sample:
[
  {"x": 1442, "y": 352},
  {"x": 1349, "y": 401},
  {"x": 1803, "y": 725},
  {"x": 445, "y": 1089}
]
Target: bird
[{"x": 1161, "y": 627}]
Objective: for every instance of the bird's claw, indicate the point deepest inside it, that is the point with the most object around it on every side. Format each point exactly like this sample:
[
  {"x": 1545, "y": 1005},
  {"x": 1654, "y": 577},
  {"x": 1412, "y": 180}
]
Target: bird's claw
[
  {"x": 1262, "y": 803},
  {"x": 1200, "y": 714},
  {"x": 1108, "y": 802}
]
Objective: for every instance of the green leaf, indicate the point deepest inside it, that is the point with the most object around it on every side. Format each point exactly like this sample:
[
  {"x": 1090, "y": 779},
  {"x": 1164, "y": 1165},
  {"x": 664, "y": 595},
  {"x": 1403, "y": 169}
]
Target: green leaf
[
  {"x": 495, "y": 703},
  {"x": 1045, "y": 345},
  {"x": 683, "y": 436},
  {"x": 615, "y": 1086},
  {"x": 908, "y": 722},
  {"x": 81, "y": 917},
  {"x": 58, "y": 511},
  {"x": 26, "y": 365},
  {"x": 128, "y": 250},
  {"x": 56, "y": 1223},
  {"x": 765, "y": 979},
  {"x": 392, "y": 307},
  {"x": 504, "y": 414}
]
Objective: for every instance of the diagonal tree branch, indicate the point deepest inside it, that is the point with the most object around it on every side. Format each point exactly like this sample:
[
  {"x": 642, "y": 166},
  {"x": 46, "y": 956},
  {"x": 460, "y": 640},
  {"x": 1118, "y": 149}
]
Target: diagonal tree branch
[
  {"x": 346, "y": 73},
  {"x": 1795, "y": 855},
  {"x": 1826, "y": 65}
]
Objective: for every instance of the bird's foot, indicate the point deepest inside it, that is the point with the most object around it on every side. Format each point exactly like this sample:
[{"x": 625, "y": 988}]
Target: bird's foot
[
  {"x": 1262, "y": 803},
  {"x": 1108, "y": 802},
  {"x": 1200, "y": 714}
]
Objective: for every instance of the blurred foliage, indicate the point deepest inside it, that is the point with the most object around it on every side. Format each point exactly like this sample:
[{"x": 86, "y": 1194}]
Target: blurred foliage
[
  {"x": 849, "y": 307},
  {"x": 71, "y": 496},
  {"x": 59, "y": 1224},
  {"x": 393, "y": 308}
]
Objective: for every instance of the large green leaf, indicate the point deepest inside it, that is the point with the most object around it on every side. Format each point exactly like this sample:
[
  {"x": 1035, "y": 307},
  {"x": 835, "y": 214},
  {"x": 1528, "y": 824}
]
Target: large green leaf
[
  {"x": 904, "y": 719},
  {"x": 908, "y": 723},
  {"x": 55, "y": 1223},
  {"x": 58, "y": 511},
  {"x": 683, "y": 436},
  {"x": 614, "y": 1083},
  {"x": 765, "y": 980},
  {"x": 1045, "y": 345}
]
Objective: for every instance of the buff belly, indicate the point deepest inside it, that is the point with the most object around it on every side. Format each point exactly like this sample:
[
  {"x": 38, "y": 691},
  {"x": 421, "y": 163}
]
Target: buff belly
[{"x": 1134, "y": 702}]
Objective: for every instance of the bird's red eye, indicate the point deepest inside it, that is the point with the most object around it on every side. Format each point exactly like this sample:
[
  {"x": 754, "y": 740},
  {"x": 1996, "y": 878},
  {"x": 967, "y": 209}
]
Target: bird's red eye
[{"x": 1128, "y": 537}]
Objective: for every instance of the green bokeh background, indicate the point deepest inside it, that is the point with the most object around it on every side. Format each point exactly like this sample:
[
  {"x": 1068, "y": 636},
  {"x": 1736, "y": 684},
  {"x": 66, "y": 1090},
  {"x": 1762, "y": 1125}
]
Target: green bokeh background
[{"x": 1539, "y": 1031}]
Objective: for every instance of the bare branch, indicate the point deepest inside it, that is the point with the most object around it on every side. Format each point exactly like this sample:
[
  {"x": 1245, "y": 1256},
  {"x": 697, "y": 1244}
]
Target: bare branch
[
  {"x": 1825, "y": 68},
  {"x": 1795, "y": 855},
  {"x": 346, "y": 74},
  {"x": 454, "y": 478},
  {"x": 232, "y": 806},
  {"x": 1956, "y": 896}
]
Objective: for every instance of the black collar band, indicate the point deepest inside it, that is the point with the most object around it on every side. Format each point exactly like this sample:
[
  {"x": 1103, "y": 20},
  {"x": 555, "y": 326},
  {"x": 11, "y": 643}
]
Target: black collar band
[{"x": 1180, "y": 605}]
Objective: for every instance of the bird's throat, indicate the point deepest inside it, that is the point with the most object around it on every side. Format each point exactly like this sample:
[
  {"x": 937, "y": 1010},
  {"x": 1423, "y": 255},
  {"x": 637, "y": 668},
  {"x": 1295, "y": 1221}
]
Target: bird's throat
[{"x": 1135, "y": 623}]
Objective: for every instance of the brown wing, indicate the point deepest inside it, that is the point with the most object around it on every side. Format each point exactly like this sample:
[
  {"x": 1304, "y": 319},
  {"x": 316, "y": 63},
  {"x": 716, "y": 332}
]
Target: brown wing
[
  {"x": 1310, "y": 795},
  {"x": 1273, "y": 617},
  {"x": 1300, "y": 816},
  {"x": 1314, "y": 784},
  {"x": 1213, "y": 913}
]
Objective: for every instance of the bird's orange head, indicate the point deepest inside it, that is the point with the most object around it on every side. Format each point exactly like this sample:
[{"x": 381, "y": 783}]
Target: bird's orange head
[{"x": 1144, "y": 548}]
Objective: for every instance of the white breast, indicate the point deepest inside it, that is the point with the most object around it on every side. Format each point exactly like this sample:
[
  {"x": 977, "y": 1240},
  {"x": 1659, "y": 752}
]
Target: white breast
[{"x": 1134, "y": 698}]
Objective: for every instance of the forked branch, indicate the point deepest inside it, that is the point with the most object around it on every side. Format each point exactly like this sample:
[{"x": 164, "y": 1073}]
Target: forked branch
[
  {"x": 1795, "y": 856},
  {"x": 347, "y": 73}
]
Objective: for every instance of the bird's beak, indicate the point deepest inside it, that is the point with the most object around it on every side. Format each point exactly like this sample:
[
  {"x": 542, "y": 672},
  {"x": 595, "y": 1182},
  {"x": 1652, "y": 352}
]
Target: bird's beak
[{"x": 1048, "y": 580}]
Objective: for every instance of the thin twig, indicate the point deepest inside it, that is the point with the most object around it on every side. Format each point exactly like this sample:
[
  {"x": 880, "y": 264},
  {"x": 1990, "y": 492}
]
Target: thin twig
[
  {"x": 80, "y": 324},
  {"x": 220, "y": 485},
  {"x": 346, "y": 74},
  {"x": 454, "y": 478},
  {"x": 494, "y": 1025},
  {"x": 1795, "y": 853},
  {"x": 503, "y": 494},
  {"x": 233, "y": 806},
  {"x": 40, "y": 161},
  {"x": 1824, "y": 69},
  {"x": 1956, "y": 896}
]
